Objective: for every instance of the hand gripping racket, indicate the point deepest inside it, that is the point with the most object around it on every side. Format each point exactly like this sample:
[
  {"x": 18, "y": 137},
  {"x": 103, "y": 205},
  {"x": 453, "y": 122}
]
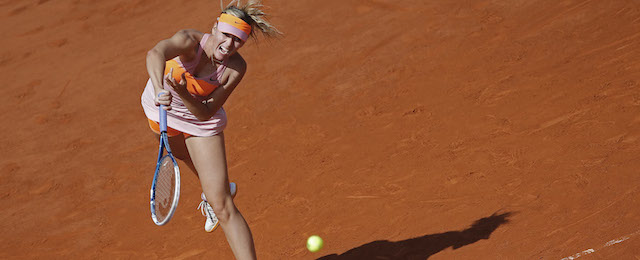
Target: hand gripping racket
[{"x": 165, "y": 189}]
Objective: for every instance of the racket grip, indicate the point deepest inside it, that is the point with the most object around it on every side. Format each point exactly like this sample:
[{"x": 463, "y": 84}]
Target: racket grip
[{"x": 163, "y": 119}]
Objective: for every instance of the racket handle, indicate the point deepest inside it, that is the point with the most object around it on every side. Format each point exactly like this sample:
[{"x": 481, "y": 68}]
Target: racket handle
[{"x": 163, "y": 119}]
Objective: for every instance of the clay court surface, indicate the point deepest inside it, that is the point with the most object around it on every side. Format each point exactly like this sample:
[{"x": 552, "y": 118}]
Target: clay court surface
[{"x": 392, "y": 129}]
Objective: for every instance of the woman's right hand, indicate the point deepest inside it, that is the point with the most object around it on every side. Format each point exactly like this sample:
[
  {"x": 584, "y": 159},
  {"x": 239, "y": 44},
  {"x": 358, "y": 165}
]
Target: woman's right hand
[{"x": 164, "y": 98}]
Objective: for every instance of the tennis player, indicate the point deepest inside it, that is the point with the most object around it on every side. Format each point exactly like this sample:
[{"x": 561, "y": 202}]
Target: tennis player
[{"x": 192, "y": 74}]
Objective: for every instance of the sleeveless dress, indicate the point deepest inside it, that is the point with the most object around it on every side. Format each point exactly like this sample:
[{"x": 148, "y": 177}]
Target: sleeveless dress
[{"x": 179, "y": 117}]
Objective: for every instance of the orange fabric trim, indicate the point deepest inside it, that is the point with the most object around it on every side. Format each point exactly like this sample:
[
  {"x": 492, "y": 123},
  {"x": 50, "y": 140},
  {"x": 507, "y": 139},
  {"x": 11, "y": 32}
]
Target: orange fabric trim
[
  {"x": 194, "y": 86},
  {"x": 155, "y": 127}
]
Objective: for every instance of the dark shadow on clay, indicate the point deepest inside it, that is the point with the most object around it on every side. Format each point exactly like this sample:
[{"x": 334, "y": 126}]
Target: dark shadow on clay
[{"x": 424, "y": 246}]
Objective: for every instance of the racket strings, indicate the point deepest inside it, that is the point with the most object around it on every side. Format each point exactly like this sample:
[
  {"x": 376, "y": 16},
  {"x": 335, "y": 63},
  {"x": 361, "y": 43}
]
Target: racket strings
[{"x": 165, "y": 188}]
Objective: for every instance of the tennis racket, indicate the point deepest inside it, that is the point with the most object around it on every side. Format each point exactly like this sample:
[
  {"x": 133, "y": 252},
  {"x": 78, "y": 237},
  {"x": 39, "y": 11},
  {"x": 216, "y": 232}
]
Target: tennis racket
[{"x": 165, "y": 189}]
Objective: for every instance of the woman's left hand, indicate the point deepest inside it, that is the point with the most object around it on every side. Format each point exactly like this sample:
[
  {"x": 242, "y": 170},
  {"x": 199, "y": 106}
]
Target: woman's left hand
[{"x": 178, "y": 87}]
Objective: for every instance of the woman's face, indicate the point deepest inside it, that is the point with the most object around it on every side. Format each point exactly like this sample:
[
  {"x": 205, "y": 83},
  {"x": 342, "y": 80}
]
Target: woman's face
[{"x": 225, "y": 44}]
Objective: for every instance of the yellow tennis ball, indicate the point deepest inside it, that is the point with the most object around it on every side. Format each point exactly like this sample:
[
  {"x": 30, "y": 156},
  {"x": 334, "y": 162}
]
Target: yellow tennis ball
[{"x": 314, "y": 243}]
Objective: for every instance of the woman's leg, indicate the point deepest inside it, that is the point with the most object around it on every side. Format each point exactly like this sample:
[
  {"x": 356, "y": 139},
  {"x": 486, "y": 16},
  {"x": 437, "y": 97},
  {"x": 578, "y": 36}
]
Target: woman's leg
[{"x": 209, "y": 158}]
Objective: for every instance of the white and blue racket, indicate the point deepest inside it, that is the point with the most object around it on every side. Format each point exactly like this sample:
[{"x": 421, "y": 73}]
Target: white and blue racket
[{"x": 165, "y": 189}]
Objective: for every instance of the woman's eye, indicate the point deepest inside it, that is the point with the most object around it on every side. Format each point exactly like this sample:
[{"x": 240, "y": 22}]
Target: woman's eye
[{"x": 235, "y": 38}]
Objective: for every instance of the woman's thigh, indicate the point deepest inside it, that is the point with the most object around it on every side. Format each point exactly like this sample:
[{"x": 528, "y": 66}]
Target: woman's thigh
[{"x": 209, "y": 158}]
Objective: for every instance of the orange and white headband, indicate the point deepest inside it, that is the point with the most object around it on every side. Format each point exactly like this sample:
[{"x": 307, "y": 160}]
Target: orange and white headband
[{"x": 230, "y": 24}]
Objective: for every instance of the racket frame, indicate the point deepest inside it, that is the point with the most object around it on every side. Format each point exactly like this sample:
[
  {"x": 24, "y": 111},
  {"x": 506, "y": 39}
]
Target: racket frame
[{"x": 164, "y": 146}]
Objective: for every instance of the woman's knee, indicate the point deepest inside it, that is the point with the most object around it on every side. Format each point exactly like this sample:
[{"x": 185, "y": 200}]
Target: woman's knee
[{"x": 223, "y": 207}]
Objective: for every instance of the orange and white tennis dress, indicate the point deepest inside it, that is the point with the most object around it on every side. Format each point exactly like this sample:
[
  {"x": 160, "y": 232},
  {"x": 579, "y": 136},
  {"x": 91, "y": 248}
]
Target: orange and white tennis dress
[{"x": 179, "y": 117}]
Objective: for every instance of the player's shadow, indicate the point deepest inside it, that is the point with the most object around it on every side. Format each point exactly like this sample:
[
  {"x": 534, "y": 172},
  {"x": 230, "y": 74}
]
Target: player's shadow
[{"x": 425, "y": 246}]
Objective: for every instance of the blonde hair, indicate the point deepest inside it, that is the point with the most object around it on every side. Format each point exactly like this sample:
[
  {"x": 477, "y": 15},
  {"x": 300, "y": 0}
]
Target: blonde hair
[{"x": 252, "y": 13}]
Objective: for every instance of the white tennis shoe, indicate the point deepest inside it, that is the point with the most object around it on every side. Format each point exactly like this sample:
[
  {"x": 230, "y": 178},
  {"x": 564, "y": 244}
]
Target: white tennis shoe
[{"x": 212, "y": 220}]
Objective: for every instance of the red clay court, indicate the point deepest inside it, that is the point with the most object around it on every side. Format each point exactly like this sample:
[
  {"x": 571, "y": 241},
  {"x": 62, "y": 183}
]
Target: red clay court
[{"x": 392, "y": 129}]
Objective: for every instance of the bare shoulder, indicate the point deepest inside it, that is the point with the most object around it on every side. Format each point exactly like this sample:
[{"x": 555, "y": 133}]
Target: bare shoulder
[
  {"x": 188, "y": 36},
  {"x": 237, "y": 64},
  {"x": 236, "y": 67},
  {"x": 186, "y": 41}
]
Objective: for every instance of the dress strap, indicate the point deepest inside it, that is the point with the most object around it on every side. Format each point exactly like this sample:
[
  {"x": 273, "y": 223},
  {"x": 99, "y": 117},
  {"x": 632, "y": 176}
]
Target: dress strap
[{"x": 193, "y": 63}]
